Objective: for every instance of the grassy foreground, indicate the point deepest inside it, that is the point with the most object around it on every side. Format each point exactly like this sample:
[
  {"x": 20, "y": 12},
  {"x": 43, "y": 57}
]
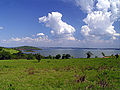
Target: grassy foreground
[{"x": 67, "y": 74}]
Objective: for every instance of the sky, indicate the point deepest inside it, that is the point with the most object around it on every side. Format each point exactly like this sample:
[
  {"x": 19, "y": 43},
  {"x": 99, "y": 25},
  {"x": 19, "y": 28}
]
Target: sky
[{"x": 60, "y": 23}]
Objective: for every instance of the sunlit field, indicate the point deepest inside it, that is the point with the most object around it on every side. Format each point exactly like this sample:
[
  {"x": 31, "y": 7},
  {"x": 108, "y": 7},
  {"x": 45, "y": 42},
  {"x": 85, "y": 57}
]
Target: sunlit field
[{"x": 62, "y": 74}]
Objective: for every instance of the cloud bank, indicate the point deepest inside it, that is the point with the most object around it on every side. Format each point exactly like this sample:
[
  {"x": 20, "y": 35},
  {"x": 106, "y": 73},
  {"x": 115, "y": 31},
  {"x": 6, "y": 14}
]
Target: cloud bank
[
  {"x": 59, "y": 28},
  {"x": 39, "y": 38},
  {"x": 101, "y": 15}
]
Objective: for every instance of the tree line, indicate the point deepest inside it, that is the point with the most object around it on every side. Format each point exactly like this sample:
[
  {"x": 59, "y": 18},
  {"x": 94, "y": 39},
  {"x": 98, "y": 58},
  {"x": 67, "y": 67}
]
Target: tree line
[{"x": 4, "y": 55}]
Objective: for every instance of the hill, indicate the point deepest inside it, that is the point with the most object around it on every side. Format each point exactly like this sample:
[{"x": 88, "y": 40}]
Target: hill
[
  {"x": 8, "y": 50},
  {"x": 28, "y": 48}
]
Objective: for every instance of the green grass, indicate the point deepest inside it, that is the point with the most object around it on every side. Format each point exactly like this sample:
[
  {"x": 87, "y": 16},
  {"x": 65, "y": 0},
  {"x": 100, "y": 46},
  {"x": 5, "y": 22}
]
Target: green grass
[
  {"x": 10, "y": 50},
  {"x": 97, "y": 73}
]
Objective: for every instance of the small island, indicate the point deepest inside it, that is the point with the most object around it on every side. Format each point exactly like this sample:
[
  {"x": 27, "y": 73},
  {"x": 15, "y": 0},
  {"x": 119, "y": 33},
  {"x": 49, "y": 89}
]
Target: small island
[{"x": 27, "y": 48}]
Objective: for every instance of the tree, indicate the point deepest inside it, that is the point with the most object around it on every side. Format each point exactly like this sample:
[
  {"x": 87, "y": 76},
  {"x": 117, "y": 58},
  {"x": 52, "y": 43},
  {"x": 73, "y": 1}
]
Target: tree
[
  {"x": 63, "y": 56},
  {"x": 117, "y": 56},
  {"x": 1, "y": 48},
  {"x": 103, "y": 54},
  {"x": 50, "y": 57},
  {"x": 38, "y": 57},
  {"x": 30, "y": 57},
  {"x": 67, "y": 56},
  {"x": 19, "y": 55},
  {"x": 89, "y": 54},
  {"x": 96, "y": 56},
  {"x": 5, "y": 55},
  {"x": 58, "y": 56}
]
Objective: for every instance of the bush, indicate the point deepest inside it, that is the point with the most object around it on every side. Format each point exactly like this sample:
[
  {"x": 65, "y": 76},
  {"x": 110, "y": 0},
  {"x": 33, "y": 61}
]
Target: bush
[
  {"x": 19, "y": 55},
  {"x": 89, "y": 54},
  {"x": 30, "y": 57},
  {"x": 5, "y": 55},
  {"x": 49, "y": 57},
  {"x": 58, "y": 56},
  {"x": 103, "y": 53},
  {"x": 63, "y": 56},
  {"x": 96, "y": 56},
  {"x": 66, "y": 56},
  {"x": 38, "y": 57}
]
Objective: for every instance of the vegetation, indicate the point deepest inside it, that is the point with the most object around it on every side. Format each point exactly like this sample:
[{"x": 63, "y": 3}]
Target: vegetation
[
  {"x": 30, "y": 57},
  {"x": 27, "y": 48},
  {"x": 6, "y": 54},
  {"x": 11, "y": 51},
  {"x": 103, "y": 54},
  {"x": 29, "y": 51},
  {"x": 58, "y": 56},
  {"x": 38, "y": 57},
  {"x": 20, "y": 71},
  {"x": 89, "y": 54},
  {"x": 66, "y": 56},
  {"x": 63, "y": 74}
]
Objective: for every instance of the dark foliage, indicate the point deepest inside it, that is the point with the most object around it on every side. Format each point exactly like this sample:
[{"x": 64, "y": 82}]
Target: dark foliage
[
  {"x": 58, "y": 56},
  {"x": 38, "y": 57},
  {"x": 5, "y": 55},
  {"x": 19, "y": 55},
  {"x": 103, "y": 53},
  {"x": 89, "y": 54},
  {"x": 30, "y": 56},
  {"x": 117, "y": 56},
  {"x": 63, "y": 56},
  {"x": 66, "y": 56}
]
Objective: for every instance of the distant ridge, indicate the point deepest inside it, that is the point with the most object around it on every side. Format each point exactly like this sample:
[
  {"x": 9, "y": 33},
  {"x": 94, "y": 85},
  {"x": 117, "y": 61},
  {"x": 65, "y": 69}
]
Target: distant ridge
[
  {"x": 26, "y": 48},
  {"x": 8, "y": 50},
  {"x": 80, "y": 48}
]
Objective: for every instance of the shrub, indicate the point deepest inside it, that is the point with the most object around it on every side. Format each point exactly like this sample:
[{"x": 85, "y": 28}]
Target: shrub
[
  {"x": 30, "y": 57},
  {"x": 103, "y": 53},
  {"x": 63, "y": 56},
  {"x": 67, "y": 56},
  {"x": 96, "y": 56},
  {"x": 5, "y": 55},
  {"x": 58, "y": 56},
  {"x": 38, "y": 57},
  {"x": 89, "y": 54}
]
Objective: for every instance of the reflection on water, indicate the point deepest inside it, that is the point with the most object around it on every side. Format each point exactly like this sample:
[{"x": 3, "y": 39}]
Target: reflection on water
[{"x": 77, "y": 53}]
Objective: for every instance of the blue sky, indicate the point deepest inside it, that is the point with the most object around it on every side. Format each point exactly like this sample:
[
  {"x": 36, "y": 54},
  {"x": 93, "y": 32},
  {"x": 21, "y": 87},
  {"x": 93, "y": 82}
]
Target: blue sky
[{"x": 70, "y": 23}]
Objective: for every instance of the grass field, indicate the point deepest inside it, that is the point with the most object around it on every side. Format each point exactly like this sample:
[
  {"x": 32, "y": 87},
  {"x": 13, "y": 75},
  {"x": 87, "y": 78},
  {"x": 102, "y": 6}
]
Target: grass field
[{"x": 68, "y": 74}]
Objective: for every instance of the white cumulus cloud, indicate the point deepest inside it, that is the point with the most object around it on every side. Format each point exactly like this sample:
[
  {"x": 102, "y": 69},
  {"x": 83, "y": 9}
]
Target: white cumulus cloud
[
  {"x": 86, "y": 5},
  {"x": 59, "y": 28},
  {"x": 40, "y": 34},
  {"x": 40, "y": 37},
  {"x": 98, "y": 24},
  {"x": 103, "y": 5},
  {"x": 100, "y": 19}
]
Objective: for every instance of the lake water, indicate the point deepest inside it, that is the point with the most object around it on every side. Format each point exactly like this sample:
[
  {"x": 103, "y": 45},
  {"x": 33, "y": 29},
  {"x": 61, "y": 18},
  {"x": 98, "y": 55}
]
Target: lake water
[{"x": 77, "y": 52}]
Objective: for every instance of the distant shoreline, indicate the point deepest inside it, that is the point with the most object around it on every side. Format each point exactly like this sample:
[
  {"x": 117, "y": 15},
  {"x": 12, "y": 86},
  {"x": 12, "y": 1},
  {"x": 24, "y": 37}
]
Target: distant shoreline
[
  {"x": 74, "y": 48},
  {"x": 79, "y": 48}
]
